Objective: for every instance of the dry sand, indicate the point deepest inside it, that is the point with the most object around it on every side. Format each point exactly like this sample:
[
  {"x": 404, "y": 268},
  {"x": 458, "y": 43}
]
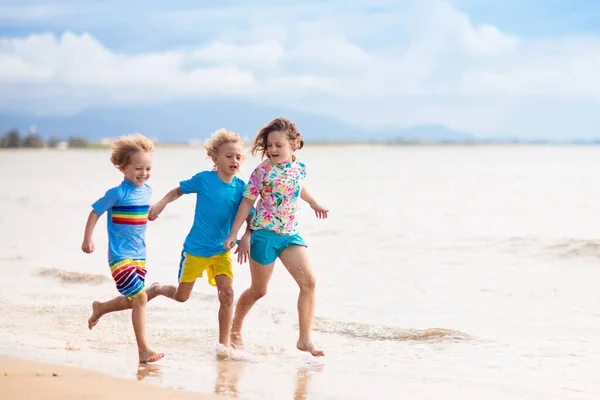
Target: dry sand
[{"x": 24, "y": 379}]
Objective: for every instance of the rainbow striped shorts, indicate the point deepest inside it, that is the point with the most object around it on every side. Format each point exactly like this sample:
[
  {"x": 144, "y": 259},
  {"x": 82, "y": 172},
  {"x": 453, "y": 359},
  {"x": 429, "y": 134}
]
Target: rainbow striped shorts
[{"x": 129, "y": 275}]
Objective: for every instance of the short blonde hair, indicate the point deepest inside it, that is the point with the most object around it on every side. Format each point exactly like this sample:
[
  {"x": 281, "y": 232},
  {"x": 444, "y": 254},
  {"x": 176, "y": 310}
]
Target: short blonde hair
[
  {"x": 126, "y": 146},
  {"x": 219, "y": 138}
]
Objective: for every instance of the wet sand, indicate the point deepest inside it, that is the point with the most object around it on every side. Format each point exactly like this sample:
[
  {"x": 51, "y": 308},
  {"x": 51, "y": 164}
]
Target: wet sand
[{"x": 26, "y": 379}]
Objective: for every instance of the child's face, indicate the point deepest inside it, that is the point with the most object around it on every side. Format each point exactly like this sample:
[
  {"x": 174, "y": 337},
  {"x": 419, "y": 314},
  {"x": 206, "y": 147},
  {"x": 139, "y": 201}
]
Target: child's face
[
  {"x": 138, "y": 169},
  {"x": 279, "y": 148},
  {"x": 229, "y": 158}
]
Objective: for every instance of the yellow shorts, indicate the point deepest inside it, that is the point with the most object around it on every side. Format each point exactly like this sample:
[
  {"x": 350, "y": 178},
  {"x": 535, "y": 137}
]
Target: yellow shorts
[{"x": 193, "y": 267}]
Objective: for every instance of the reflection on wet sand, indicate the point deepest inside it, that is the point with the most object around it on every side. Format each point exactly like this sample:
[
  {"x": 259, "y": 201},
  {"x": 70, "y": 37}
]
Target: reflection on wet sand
[
  {"x": 146, "y": 370},
  {"x": 303, "y": 376},
  {"x": 229, "y": 372},
  {"x": 228, "y": 375}
]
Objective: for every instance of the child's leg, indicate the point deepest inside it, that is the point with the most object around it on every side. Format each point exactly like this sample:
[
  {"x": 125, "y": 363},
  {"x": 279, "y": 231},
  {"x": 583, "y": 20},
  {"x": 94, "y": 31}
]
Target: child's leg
[
  {"x": 180, "y": 293},
  {"x": 138, "y": 318},
  {"x": 261, "y": 274},
  {"x": 118, "y": 303},
  {"x": 296, "y": 261},
  {"x": 225, "y": 291}
]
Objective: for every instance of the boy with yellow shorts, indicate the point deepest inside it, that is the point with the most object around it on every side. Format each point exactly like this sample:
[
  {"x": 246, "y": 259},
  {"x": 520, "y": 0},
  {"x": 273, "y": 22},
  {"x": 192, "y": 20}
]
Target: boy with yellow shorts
[{"x": 218, "y": 195}]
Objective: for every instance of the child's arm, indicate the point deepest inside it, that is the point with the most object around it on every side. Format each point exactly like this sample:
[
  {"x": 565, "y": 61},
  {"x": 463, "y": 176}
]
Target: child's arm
[
  {"x": 88, "y": 243},
  {"x": 320, "y": 211},
  {"x": 242, "y": 214},
  {"x": 170, "y": 197}
]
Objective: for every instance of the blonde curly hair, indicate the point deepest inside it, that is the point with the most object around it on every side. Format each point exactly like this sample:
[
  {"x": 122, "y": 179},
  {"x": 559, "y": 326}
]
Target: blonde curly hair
[
  {"x": 127, "y": 146},
  {"x": 219, "y": 138}
]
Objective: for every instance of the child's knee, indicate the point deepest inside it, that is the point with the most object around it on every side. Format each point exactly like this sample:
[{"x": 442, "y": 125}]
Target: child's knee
[
  {"x": 141, "y": 300},
  {"x": 226, "y": 296},
  {"x": 181, "y": 296},
  {"x": 259, "y": 292},
  {"x": 309, "y": 283}
]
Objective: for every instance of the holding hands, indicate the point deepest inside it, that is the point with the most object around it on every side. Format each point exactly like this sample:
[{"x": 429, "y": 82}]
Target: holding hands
[{"x": 155, "y": 210}]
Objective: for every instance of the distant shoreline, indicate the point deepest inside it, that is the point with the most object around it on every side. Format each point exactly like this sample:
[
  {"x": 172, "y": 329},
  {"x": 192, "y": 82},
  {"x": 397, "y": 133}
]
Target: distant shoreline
[{"x": 101, "y": 146}]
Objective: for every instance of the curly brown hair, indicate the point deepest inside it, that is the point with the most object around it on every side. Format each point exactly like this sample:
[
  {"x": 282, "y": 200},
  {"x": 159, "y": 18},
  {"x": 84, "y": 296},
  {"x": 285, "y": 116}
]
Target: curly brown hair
[
  {"x": 127, "y": 146},
  {"x": 259, "y": 144}
]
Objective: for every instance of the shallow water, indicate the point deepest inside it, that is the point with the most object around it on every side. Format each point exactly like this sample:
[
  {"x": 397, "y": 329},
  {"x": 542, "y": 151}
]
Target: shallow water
[{"x": 443, "y": 272}]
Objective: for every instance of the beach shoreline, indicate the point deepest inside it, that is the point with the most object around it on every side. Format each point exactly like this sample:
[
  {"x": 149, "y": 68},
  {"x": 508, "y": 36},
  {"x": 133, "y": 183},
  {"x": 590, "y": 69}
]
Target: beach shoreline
[{"x": 22, "y": 378}]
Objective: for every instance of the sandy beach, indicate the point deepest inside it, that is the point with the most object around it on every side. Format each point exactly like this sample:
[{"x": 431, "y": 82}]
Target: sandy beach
[{"x": 26, "y": 379}]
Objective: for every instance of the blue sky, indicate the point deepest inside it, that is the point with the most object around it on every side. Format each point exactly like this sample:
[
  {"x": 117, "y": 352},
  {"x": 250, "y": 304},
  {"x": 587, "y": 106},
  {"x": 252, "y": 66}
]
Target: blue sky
[{"x": 493, "y": 68}]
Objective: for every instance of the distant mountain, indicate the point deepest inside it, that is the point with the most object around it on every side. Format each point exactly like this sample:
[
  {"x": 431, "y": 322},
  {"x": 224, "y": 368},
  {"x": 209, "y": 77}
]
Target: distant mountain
[
  {"x": 180, "y": 122},
  {"x": 430, "y": 133},
  {"x": 183, "y": 121}
]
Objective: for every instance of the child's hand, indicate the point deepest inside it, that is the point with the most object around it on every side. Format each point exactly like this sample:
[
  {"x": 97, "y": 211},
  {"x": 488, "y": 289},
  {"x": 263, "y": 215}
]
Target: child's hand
[
  {"x": 155, "y": 211},
  {"x": 229, "y": 242},
  {"x": 87, "y": 246},
  {"x": 320, "y": 211},
  {"x": 243, "y": 249}
]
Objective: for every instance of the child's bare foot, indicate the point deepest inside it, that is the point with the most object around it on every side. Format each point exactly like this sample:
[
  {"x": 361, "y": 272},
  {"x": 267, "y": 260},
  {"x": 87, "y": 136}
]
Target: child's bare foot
[
  {"x": 223, "y": 351},
  {"x": 236, "y": 340},
  {"x": 307, "y": 345},
  {"x": 93, "y": 320},
  {"x": 149, "y": 356}
]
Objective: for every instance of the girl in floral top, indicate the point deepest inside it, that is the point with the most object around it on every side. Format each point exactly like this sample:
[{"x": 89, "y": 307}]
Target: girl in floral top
[{"x": 278, "y": 181}]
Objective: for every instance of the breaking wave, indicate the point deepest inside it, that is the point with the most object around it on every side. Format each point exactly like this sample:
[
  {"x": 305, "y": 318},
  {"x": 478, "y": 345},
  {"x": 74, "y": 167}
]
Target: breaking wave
[
  {"x": 576, "y": 248},
  {"x": 384, "y": 332},
  {"x": 72, "y": 277},
  {"x": 562, "y": 248}
]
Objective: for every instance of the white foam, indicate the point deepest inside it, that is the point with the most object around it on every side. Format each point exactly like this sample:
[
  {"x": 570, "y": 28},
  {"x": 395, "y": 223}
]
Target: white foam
[{"x": 229, "y": 353}]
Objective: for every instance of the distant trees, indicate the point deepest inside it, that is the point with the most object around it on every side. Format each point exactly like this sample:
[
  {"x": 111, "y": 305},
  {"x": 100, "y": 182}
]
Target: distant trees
[
  {"x": 54, "y": 141},
  {"x": 33, "y": 140},
  {"x": 77, "y": 142},
  {"x": 13, "y": 139}
]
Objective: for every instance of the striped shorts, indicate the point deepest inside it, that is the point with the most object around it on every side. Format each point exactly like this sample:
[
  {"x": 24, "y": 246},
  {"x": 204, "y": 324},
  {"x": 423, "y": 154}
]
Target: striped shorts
[{"x": 129, "y": 276}]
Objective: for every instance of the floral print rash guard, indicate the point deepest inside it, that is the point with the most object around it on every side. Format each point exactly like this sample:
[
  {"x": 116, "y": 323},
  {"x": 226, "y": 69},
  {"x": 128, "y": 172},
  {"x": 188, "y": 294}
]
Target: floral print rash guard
[{"x": 279, "y": 188}]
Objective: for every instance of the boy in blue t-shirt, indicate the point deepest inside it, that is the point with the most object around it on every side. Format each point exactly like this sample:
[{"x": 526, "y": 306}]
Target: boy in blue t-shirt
[
  {"x": 127, "y": 206},
  {"x": 218, "y": 196}
]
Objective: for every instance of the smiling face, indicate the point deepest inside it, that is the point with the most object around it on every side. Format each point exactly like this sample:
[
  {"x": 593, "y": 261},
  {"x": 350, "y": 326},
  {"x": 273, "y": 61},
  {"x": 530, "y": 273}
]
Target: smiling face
[
  {"x": 137, "y": 171},
  {"x": 279, "y": 148},
  {"x": 229, "y": 159}
]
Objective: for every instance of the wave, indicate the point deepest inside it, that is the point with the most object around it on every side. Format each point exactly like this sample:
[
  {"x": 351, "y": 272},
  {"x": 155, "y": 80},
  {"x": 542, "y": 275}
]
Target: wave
[
  {"x": 359, "y": 330},
  {"x": 573, "y": 248},
  {"x": 384, "y": 332},
  {"x": 72, "y": 277},
  {"x": 566, "y": 248}
]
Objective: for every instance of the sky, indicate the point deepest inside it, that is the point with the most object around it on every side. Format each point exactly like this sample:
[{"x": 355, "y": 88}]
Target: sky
[{"x": 494, "y": 68}]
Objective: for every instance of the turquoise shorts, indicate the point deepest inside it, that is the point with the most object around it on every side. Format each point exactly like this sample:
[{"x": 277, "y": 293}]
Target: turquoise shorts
[{"x": 266, "y": 245}]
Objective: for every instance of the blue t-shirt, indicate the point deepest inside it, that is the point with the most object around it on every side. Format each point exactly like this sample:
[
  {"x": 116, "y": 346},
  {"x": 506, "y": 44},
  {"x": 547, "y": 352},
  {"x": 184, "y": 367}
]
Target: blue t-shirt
[
  {"x": 127, "y": 206},
  {"x": 217, "y": 203}
]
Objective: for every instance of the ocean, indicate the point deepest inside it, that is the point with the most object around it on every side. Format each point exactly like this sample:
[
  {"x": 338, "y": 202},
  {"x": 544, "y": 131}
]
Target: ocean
[{"x": 455, "y": 272}]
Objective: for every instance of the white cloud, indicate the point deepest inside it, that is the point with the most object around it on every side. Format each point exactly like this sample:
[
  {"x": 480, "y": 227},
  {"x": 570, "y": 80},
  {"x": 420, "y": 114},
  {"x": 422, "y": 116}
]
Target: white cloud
[
  {"x": 72, "y": 72},
  {"x": 420, "y": 65}
]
